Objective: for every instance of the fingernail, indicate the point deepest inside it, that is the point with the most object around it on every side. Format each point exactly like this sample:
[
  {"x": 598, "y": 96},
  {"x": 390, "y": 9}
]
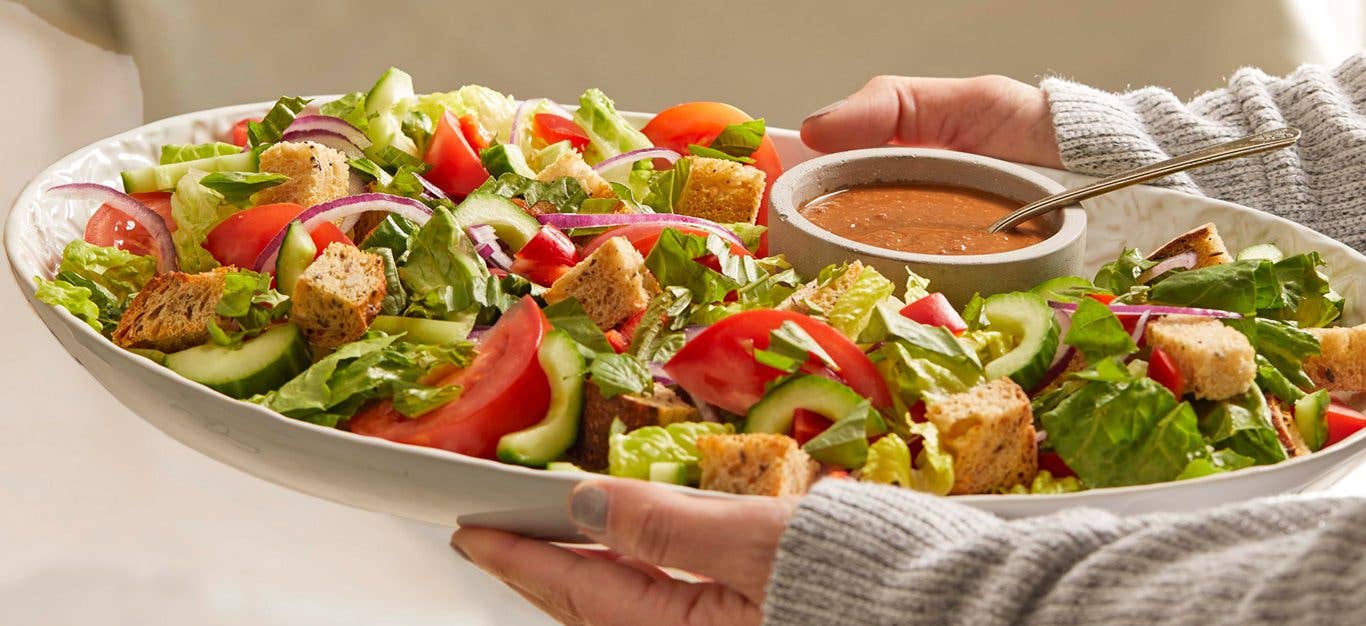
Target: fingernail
[
  {"x": 460, "y": 551},
  {"x": 588, "y": 508},
  {"x": 826, "y": 109}
]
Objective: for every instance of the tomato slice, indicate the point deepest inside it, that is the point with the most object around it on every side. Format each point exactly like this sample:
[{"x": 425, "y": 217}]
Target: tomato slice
[
  {"x": 718, "y": 365},
  {"x": 111, "y": 227},
  {"x": 1342, "y": 422},
  {"x": 618, "y": 341},
  {"x": 469, "y": 127},
  {"x": 554, "y": 129},
  {"x": 807, "y": 424},
  {"x": 1103, "y": 298},
  {"x": 699, "y": 123},
  {"x": 935, "y": 310},
  {"x": 239, "y": 239},
  {"x": 505, "y": 390},
  {"x": 628, "y": 327},
  {"x": 547, "y": 257},
  {"x": 456, "y": 167},
  {"x": 239, "y": 131},
  {"x": 643, "y": 237},
  {"x": 1055, "y": 465},
  {"x": 1162, "y": 369}
]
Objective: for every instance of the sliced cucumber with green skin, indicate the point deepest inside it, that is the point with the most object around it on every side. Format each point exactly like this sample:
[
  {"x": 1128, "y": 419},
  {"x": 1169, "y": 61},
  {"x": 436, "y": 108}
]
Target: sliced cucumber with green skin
[
  {"x": 296, "y": 254},
  {"x": 669, "y": 472},
  {"x": 1028, "y": 319},
  {"x": 165, "y": 177},
  {"x": 773, "y": 413},
  {"x": 385, "y": 129},
  {"x": 419, "y": 330},
  {"x": 1261, "y": 251},
  {"x": 540, "y": 444},
  {"x": 258, "y": 365},
  {"x": 512, "y": 224},
  {"x": 505, "y": 158},
  {"x": 1311, "y": 418}
]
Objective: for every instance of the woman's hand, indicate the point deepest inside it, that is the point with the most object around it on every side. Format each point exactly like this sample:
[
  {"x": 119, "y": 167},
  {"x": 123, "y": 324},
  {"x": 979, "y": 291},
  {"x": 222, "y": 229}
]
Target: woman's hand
[
  {"x": 729, "y": 542},
  {"x": 989, "y": 115}
]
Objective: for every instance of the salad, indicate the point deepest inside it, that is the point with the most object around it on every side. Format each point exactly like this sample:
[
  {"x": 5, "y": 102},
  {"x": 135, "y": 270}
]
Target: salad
[{"x": 561, "y": 290}]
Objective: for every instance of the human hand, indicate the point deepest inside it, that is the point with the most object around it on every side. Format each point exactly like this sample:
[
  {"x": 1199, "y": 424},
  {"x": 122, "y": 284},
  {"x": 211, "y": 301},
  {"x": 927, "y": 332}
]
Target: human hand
[
  {"x": 730, "y": 542},
  {"x": 989, "y": 115}
]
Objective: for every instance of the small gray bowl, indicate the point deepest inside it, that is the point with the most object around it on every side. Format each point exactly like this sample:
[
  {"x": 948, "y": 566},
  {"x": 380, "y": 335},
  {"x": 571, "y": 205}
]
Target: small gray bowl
[{"x": 809, "y": 247}]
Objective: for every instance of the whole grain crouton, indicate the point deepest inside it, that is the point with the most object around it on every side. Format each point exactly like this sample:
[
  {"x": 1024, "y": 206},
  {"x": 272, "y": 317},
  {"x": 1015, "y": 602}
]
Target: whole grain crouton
[
  {"x": 317, "y": 174},
  {"x": 721, "y": 191},
  {"x": 659, "y": 408},
  {"x": 612, "y": 284},
  {"x": 758, "y": 464},
  {"x": 1204, "y": 241},
  {"x": 570, "y": 164},
  {"x": 1217, "y": 362},
  {"x": 1283, "y": 418},
  {"x": 1341, "y": 366},
  {"x": 989, "y": 430},
  {"x": 338, "y": 296},
  {"x": 172, "y": 311}
]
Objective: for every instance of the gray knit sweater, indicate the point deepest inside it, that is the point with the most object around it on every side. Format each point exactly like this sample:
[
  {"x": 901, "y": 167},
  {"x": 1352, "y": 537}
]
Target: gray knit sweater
[{"x": 868, "y": 554}]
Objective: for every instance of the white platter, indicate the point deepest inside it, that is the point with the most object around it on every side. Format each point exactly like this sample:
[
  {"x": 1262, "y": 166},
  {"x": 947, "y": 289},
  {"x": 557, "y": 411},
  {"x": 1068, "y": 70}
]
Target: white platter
[{"x": 445, "y": 488}]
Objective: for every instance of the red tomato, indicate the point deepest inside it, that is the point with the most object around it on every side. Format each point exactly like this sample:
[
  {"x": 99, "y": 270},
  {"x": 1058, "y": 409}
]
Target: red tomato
[
  {"x": 807, "y": 424},
  {"x": 1162, "y": 369},
  {"x": 628, "y": 327},
  {"x": 718, "y": 365},
  {"x": 470, "y": 129},
  {"x": 554, "y": 129},
  {"x": 935, "y": 310},
  {"x": 699, "y": 123},
  {"x": 543, "y": 274},
  {"x": 643, "y": 237},
  {"x": 1054, "y": 464},
  {"x": 1103, "y": 298},
  {"x": 456, "y": 168},
  {"x": 110, "y": 227},
  {"x": 505, "y": 391},
  {"x": 545, "y": 258},
  {"x": 239, "y": 239},
  {"x": 618, "y": 341},
  {"x": 1342, "y": 422},
  {"x": 239, "y": 131}
]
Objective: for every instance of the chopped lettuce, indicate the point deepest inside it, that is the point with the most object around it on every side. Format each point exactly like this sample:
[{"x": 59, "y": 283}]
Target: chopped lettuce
[
  {"x": 889, "y": 462},
  {"x": 616, "y": 374},
  {"x": 568, "y": 315},
  {"x": 854, "y": 307},
  {"x": 120, "y": 272},
  {"x": 1121, "y": 274},
  {"x": 350, "y": 107},
  {"x": 918, "y": 287},
  {"x": 1046, "y": 483},
  {"x": 181, "y": 152},
  {"x": 1097, "y": 334},
  {"x": 415, "y": 400},
  {"x": 749, "y": 234},
  {"x": 196, "y": 209},
  {"x": 672, "y": 262},
  {"x": 238, "y": 187},
  {"x": 1065, "y": 289},
  {"x": 659, "y": 334},
  {"x": 71, "y": 297},
  {"x": 395, "y": 295},
  {"x": 1270, "y": 379},
  {"x": 394, "y": 234},
  {"x": 609, "y": 134},
  {"x": 565, "y": 194},
  {"x": 845, "y": 443},
  {"x": 630, "y": 454},
  {"x": 1305, "y": 296},
  {"x": 920, "y": 361},
  {"x": 1241, "y": 287},
  {"x": 988, "y": 345},
  {"x": 443, "y": 272},
  {"x": 260, "y": 135},
  {"x": 1281, "y": 344},
  {"x": 1242, "y": 424},
  {"x": 492, "y": 110},
  {"x": 250, "y": 302},
  {"x": 734, "y": 143},
  {"x": 666, "y": 188},
  {"x": 1225, "y": 460}
]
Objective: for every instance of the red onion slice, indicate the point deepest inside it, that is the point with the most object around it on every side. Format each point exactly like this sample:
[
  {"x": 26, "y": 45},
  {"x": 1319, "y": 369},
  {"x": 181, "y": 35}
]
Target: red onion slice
[
  {"x": 596, "y": 220},
  {"x": 1156, "y": 309},
  {"x": 1183, "y": 261},
  {"x": 342, "y": 208},
  {"x": 1139, "y": 326},
  {"x": 520, "y": 121},
  {"x": 1056, "y": 370},
  {"x": 481, "y": 234},
  {"x": 336, "y": 141},
  {"x": 156, "y": 226},
  {"x": 636, "y": 155},
  {"x": 485, "y": 242},
  {"x": 330, "y": 124},
  {"x": 431, "y": 189}
]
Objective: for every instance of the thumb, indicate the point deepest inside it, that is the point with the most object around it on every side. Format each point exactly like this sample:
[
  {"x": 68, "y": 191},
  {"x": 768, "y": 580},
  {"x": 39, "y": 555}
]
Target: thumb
[{"x": 886, "y": 110}]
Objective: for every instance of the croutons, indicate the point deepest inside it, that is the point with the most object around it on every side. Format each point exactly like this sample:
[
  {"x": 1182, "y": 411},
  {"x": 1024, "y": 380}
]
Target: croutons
[
  {"x": 317, "y": 174},
  {"x": 756, "y": 464},
  {"x": 661, "y": 408},
  {"x": 338, "y": 296},
  {"x": 1204, "y": 241},
  {"x": 721, "y": 191},
  {"x": 813, "y": 298},
  {"x": 989, "y": 430},
  {"x": 612, "y": 284},
  {"x": 1341, "y": 366},
  {"x": 1217, "y": 362},
  {"x": 570, "y": 164},
  {"x": 172, "y": 312}
]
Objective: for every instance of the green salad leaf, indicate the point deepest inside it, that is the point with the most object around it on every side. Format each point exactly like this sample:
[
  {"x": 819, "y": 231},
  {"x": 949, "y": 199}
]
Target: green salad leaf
[
  {"x": 1046, "y": 483},
  {"x": 491, "y": 110},
  {"x": 238, "y": 187},
  {"x": 442, "y": 270},
  {"x": 734, "y": 143},
  {"x": 181, "y": 152},
  {"x": 1225, "y": 460},
  {"x": 250, "y": 302},
  {"x": 196, "y": 209},
  {"x": 394, "y": 233},
  {"x": 1305, "y": 295},
  {"x": 665, "y": 188},
  {"x": 609, "y": 134},
  {"x": 1121, "y": 274},
  {"x": 350, "y": 107},
  {"x": 568, "y": 315},
  {"x": 1241, "y": 287},
  {"x": 630, "y": 454},
  {"x": 889, "y": 462},
  {"x": 1242, "y": 424},
  {"x": 120, "y": 272},
  {"x": 854, "y": 307},
  {"x": 565, "y": 194},
  {"x": 920, "y": 361},
  {"x": 71, "y": 297},
  {"x": 262, "y": 134},
  {"x": 1281, "y": 344},
  {"x": 1070, "y": 289},
  {"x": 1097, "y": 334},
  {"x": 616, "y": 374}
]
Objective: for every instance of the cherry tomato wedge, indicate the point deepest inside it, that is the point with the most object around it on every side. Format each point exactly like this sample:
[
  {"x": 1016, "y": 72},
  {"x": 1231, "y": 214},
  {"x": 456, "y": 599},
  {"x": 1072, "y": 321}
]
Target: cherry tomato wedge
[
  {"x": 111, "y": 227},
  {"x": 1055, "y": 465},
  {"x": 618, "y": 341},
  {"x": 643, "y": 237},
  {"x": 505, "y": 390},
  {"x": 554, "y": 129},
  {"x": 628, "y": 327},
  {"x": 1162, "y": 369},
  {"x": 807, "y": 424},
  {"x": 469, "y": 127},
  {"x": 935, "y": 310},
  {"x": 1342, "y": 422},
  {"x": 740, "y": 382},
  {"x": 239, "y": 131},
  {"x": 1103, "y": 298},
  {"x": 545, "y": 258},
  {"x": 456, "y": 167},
  {"x": 239, "y": 239}
]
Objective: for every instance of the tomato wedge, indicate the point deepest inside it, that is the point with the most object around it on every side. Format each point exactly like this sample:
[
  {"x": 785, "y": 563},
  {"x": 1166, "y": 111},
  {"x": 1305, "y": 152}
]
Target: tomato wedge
[
  {"x": 1342, "y": 422},
  {"x": 239, "y": 239},
  {"x": 935, "y": 310},
  {"x": 554, "y": 129},
  {"x": 239, "y": 131},
  {"x": 456, "y": 167},
  {"x": 643, "y": 237},
  {"x": 469, "y": 128},
  {"x": 807, "y": 424},
  {"x": 547, "y": 257},
  {"x": 1055, "y": 465},
  {"x": 505, "y": 390},
  {"x": 1162, "y": 369},
  {"x": 110, "y": 227},
  {"x": 718, "y": 365}
]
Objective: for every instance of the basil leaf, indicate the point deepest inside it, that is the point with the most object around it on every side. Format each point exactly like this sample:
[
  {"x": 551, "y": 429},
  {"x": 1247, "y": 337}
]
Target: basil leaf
[
  {"x": 569, "y": 316},
  {"x": 1097, "y": 333},
  {"x": 617, "y": 374},
  {"x": 1120, "y": 275},
  {"x": 238, "y": 187}
]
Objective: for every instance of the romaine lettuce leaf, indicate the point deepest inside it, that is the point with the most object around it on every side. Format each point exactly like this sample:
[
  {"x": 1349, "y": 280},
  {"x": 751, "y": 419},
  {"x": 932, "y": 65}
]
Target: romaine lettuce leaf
[
  {"x": 568, "y": 315},
  {"x": 1305, "y": 295},
  {"x": 666, "y": 188},
  {"x": 889, "y": 462},
  {"x": 609, "y": 133},
  {"x": 120, "y": 272},
  {"x": 250, "y": 302},
  {"x": 852, "y": 310},
  {"x": 196, "y": 209},
  {"x": 181, "y": 152},
  {"x": 1119, "y": 275},
  {"x": 1242, "y": 424},
  {"x": 1046, "y": 483},
  {"x": 1225, "y": 460},
  {"x": 1241, "y": 287},
  {"x": 492, "y": 110},
  {"x": 73, "y": 298},
  {"x": 920, "y": 361},
  {"x": 350, "y": 107},
  {"x": 262, "y": 134},
  {"x": 1282, "y": 344},
  {"x": 565, "y": 194},
  {"x": 616, "y": 374},
  {"x": 442, "y": 269},
  {"x": 630, "y": 454},
  {"x": 1097, "y": 334},
  {"x": 1065, "y": 289}
]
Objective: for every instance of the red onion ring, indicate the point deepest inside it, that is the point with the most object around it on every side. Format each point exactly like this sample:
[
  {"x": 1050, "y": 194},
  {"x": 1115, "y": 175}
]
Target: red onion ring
[
  {"x": 330, "y": 124},
  {"x": 342, "y": 208},
  {"x": 1183, "y": 261},
  {"x": 519, "y": 120},
  {"x": 485, "y": 242},
  {"x": 596, "y": 220},
  {"x": 636, "y": 155},
  {"x": 336, "y": 141},
  {"x": 431, "y": 189},
  {"x": 1155, "y": 309},
  {"x": 143, "y": 215}
]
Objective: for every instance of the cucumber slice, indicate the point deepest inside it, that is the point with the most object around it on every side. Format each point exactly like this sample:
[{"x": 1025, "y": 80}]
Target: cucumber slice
[
  {"x": 669, "y": 472},
  {"x": 512, "y": 224},
  {"x": 296, "y": 254},
  {"x": 773, "y": 413},
  {"x": 1267, "y": 251},
  {"x": 1027, "y": 318},
  {"x": 257, "y": 366},
  {"x": 505, "y": 158},
  {"x": 393, "y": 86},
  {"x": 1311, "y": 418},
  {"x": 165, "y": 177},
  {"x": 540, "y": 444},
  {"x": 418, "y": 330}
]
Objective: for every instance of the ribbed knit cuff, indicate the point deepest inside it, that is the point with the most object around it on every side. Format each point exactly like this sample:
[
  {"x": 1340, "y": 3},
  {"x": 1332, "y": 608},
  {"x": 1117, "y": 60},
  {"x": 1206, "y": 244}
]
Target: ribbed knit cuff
[{"x": 845, "y": 538}]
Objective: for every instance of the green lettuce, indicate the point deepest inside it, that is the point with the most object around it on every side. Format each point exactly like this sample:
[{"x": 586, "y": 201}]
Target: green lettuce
[
  {"x": 250, "y": 302},
  {"x": 1305, "y": 295},
  {"x": 734, "y": 143},
  {"x": 1241, "y": 287},
  {"x": 988, "y": 345},
  {"x": 1121, "y": 274},
  {"x": 262, "y": 134},
  {"x": 1225, "y": 460},
  {"x": 1097, "y": 334},
  {"x": 889, "y": 462},
  {"x": 492, "y": 110},
  {"x": 1046, "y": 483},
  {"x": 120, "y": 272},
  {"x": 854, "y": 307},
  {"x": 394, "y": 233},
  {"x": 665, "y": 188},
  {"x": 1242, "y": 424},
  {"x": 616, "y": 374},
  {"x": 71, "y": 297},
  {"x": 196, "y": 209},
  {"x": 565, "y": 194},
  {"x": 181, "y": 152},
  {"x": 920, "y": 361},
  {"x": 1281, "y": 344},
  {"x": 442, "y": 270},
  {"x": 1065, "y": 289},
  {"x": 350, "y": 107},
  {"x": 609, "y": 133},
  {"x": 238, "y": 187},
  {"x": 630, "y": 454},
  {"x": 568, "y": 315}
]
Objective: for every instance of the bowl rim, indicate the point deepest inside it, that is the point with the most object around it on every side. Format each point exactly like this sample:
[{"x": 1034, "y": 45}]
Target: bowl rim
[
  {"x": 783, "y": 208},
  {"x": 1353, "y": 445}
]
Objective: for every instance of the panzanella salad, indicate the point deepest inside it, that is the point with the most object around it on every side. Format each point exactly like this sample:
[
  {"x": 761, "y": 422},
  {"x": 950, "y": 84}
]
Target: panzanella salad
[{"x": 510, "y": 280}]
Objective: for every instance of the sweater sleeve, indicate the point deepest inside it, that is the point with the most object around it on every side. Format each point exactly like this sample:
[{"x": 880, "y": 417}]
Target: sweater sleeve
[
  {"x": 1321, "y": 183},
  {"x": 871, "y": 554}
]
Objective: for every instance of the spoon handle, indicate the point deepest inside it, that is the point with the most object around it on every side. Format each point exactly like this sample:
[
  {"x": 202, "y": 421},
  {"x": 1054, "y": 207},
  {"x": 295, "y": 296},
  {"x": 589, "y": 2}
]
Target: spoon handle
[{"x": 1252, "y": 144}]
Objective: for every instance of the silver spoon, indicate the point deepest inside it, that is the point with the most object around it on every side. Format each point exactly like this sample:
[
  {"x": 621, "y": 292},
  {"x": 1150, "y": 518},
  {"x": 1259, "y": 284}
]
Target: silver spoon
[{"x": 1252, "y": 144}]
